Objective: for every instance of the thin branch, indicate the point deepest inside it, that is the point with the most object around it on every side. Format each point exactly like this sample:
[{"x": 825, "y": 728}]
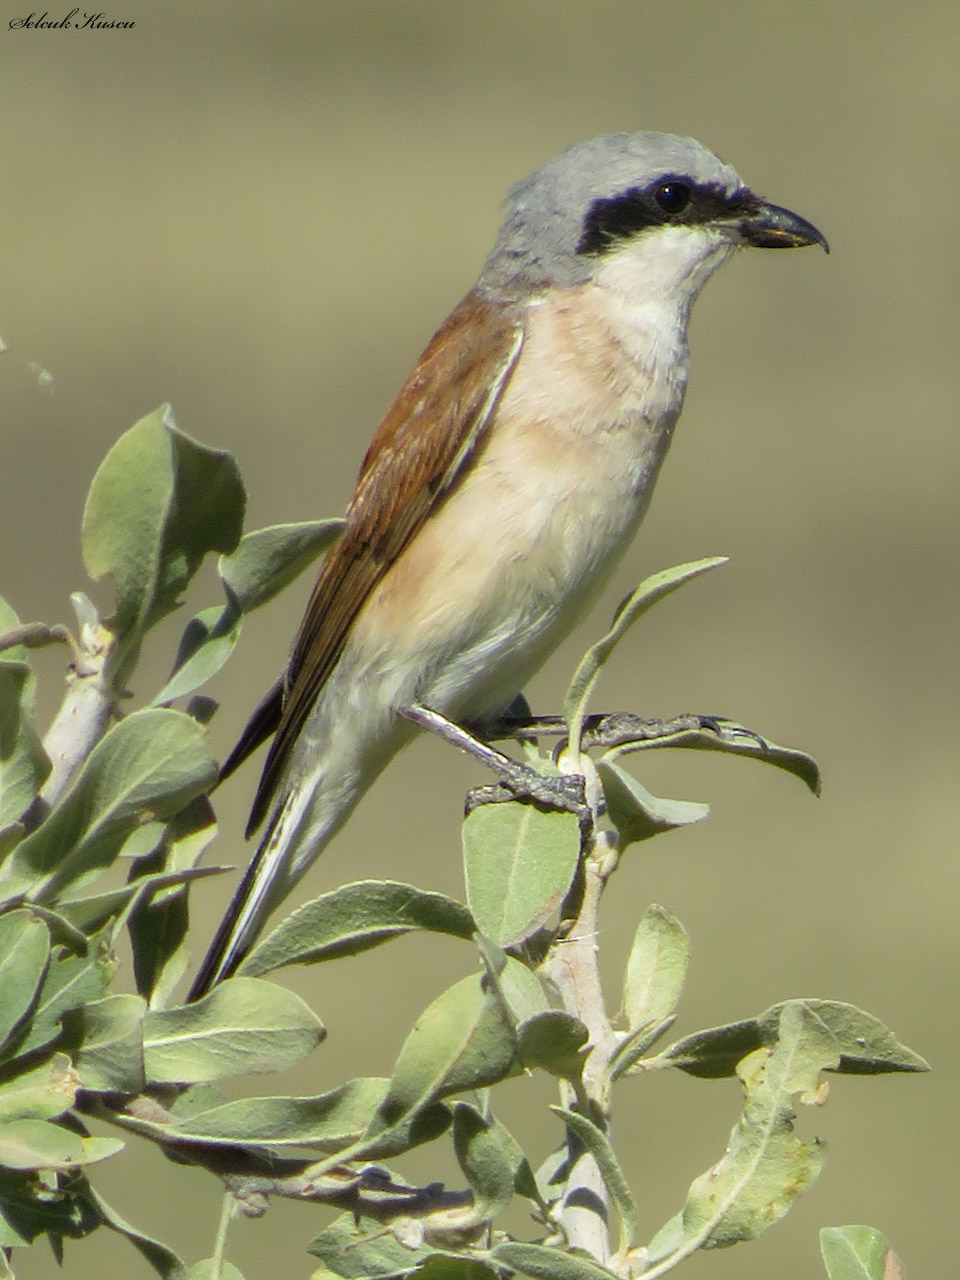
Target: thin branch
[
  {"x": 571, "y": 966},
  {"x": 36, "y": 635},
  {"x": 253, "y": 1175},
  {"x": 86, "y": 709}
]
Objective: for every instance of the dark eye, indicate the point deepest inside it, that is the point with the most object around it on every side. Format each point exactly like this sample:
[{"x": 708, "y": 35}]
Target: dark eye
[{"x": 673, "y": 197}]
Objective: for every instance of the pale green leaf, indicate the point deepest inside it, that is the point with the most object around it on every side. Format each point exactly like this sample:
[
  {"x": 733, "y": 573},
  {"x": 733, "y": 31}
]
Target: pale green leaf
[
  {"x": 597, "y": 1143},
  {"x": 362, "y": 1250},
  {"x": 24, "y": 953},
  {"x": 636, "y": 813},
  {"x": 459, "y": 1042},
  {"x": 70, "y": 981},
  {"x": 152, "y": 763},
  {"x": 865, "y": 1046},
  {"x": 656, "y": 968},
  {"x": 554, "y": 1041},
  {"x": 93, "y": 911},
  {"x": 489, "y": 1158},
  {"x": 38, "y": 1144},
  {"x": 669, "y": 1239},
  {"x": 354, "y": 918},
  {"x": 517, "y": 991},
  {"x": 545, "y": 1263},
  {"x": 207, "y": 642},
  {"x": 41, "y": 1094},
  {"x": 711, "y": 733},
  {"x": 105, "y": 1040},
  {"x": 331, "y": 1121},
  {"x": 207, "y": 1269},
  {"x": 765, "y": 1166},
  {"x": 244, "y": 1026},
  {"x": 859, "y": 1253},
  {"x": 267, "y": 560},
  {"x": 158, "y": 504},
  {"x": 635, "y": 1044},
  {"x": 158, "y": 919},
  {"x": 519, "y": 862},
  {"x": 23, "y": 763},
  {"x": 649, "y": 592}
]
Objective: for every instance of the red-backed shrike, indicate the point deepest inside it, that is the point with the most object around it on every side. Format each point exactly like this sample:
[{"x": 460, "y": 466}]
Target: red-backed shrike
[{"x": 502, "y": 486}]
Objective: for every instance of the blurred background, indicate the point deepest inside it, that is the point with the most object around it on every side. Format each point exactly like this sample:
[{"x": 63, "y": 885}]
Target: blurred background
[{"x": 261, "y": 212}]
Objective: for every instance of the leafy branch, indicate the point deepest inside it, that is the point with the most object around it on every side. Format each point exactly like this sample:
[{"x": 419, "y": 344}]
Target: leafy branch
[{"x": 119, "y": 784}]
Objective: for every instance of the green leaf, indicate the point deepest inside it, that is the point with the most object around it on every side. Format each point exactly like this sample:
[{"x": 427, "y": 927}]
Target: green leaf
[
  {"x": 545, "y": 1263},
  {"x": 331, "y": 1121},
  {"x": 62, "y": 932},
  {"x": 765, "y": 1166},
  {"x": 358, "y": 1249},
  {"x": 24, "y": 953},
  {"x": 105, "y": 1040},
  {"x": 552, "y": 1176},
  {"x": 726, "y": 736},
  {"x": 859, "y": 1253},
  {"x": 41, "y": 1094},
  {"x": 649, "y": 592},
  {"x": 669, "y": 1239},
  {"x": 354, "y": 918},
  {"x": 163, "y": 1260},
  {"x": 94, "y": 911},
  {"x": 70, "y": 981},
  {"x": 519, "y": 863},
  {"x": 455, "y": 1266},
  {"x": 597, "y": 1143},
  {"x": 656, "y": 968},
  {"x": 38, "y": 1144},
  {"x": 10, "y": 837},
  {"x": 865, "y": 1046},
  {"x": 554, "y": 1041},
  {"x": 209, "y": 1269},
  {"x": 46, "y": 1205},
  {"x": 23, "y": 763},
  {"x": 207, "y": 642},
  {"x": 267, "y": 560},
  {"x": 155, "y": 761},
  {"x": 518, "y": 992},
  {"x": 636, "y": 813},
  {"x": 159, "y": 920},
  {"x": 635, "y": 1044},
  {"x": 158, "y": 504},
  {"x": 489, "y": 1157},
  {"x": 244, "y": 1026},
  {"x": 459, "y": 1042}
]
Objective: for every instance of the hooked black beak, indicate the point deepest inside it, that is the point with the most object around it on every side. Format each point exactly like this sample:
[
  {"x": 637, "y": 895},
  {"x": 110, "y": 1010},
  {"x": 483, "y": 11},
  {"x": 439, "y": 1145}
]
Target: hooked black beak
[{"x": 768, "y": 226}]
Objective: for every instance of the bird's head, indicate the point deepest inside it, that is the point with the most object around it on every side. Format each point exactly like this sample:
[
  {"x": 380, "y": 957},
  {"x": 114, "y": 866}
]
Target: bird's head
[{"x": 632, "y": 211}]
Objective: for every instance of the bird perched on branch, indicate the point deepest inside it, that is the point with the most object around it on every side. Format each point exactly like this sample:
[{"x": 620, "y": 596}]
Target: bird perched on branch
[{"x": 502, "y": 486}]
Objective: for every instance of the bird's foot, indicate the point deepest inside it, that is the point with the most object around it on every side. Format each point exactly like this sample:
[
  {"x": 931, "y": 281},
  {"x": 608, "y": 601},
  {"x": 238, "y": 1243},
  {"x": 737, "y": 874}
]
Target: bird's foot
[{"x": 563, "y": 792}]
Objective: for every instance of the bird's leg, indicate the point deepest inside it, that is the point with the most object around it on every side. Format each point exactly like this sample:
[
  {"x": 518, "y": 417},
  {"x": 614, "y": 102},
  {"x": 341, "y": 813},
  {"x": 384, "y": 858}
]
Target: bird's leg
[
  {"x": 609, "y": 729},
  {"x": 565, "y": 792}
]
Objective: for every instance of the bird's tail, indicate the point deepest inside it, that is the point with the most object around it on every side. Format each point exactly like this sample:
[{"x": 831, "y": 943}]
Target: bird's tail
[{"x": 274, "y": 869}]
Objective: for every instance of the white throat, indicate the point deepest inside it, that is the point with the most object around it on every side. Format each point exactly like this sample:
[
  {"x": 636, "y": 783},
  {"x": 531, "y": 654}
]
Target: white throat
[{"x": 651, "y": 284}]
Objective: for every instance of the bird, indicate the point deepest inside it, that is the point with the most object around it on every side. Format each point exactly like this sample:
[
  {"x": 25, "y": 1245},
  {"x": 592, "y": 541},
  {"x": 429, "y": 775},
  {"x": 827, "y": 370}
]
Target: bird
[{"x": 502, "y": 486}]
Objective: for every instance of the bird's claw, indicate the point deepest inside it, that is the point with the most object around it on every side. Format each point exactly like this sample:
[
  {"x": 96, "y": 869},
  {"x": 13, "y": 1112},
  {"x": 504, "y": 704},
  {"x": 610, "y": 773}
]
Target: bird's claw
[{"x": 564, "y": 793}]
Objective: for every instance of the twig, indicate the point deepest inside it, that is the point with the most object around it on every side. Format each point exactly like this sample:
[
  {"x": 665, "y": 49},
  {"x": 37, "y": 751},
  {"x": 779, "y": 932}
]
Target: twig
[
  {"x": 35, "y": 635},
  {"x": 254, "y": 1175},
  {"x": 571, "y": 966},
  {"x": 86, "y": 709}
]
